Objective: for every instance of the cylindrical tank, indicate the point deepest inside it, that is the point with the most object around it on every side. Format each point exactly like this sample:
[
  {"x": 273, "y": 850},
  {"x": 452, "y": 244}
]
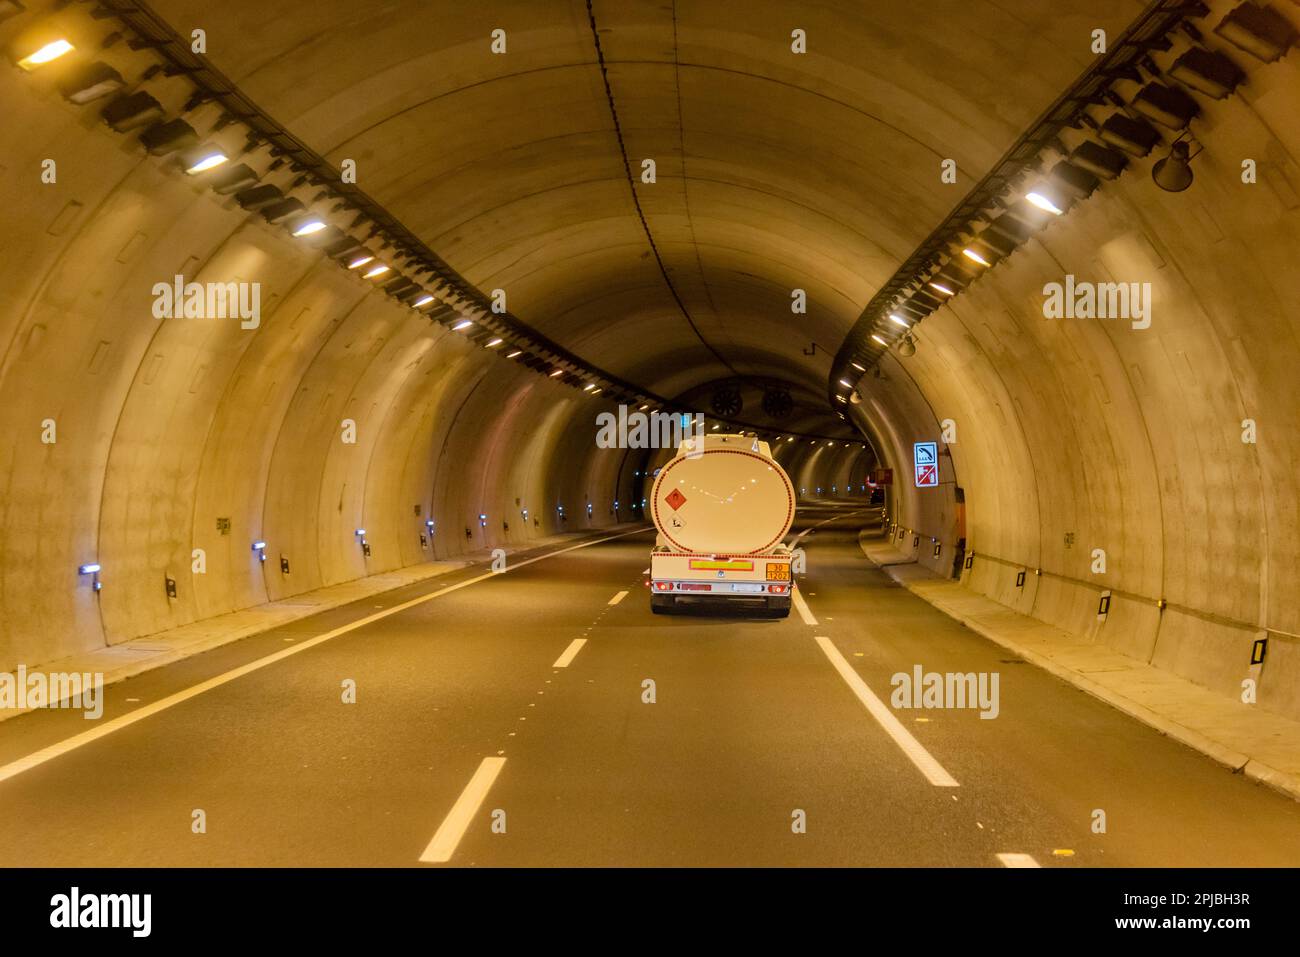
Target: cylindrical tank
[{"x": 731, "y": 499}]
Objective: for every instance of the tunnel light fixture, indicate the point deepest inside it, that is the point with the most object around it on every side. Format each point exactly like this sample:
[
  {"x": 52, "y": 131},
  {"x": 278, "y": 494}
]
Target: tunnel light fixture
[
  {"x": 858, "y": 367},
  {"x": 374, "y": 270},
  {"x": 89, "y": 569},
  {"x": 92, "y": 82},
  {"x": 360, "y": 260},
  {"x": 202, "y": 159},
  {"x": 898, "y": 320},
  {"x": 309, "y": 226},
  {"x": 597, "y": 391},
  {"x": 259, "y": 546},
  {"x": 846, "y": 383},
  {"x": 493, "y": 343},
  {"x": 588, "y": 387},
  {"x": 974, "y": 256},
  {"x": 557, "y": 372},
  {"x": 463, "y": 324},
  {"x": 513, "y": 354},
  {"x": 1044, "y": 203},
  {"x": 643, "y": 408},
  {"x": 46, "y": 54},
  {"x": 941, "y": 288},
  {"x": 879, "y": 339},
  {"x": 422, "y": 301}
]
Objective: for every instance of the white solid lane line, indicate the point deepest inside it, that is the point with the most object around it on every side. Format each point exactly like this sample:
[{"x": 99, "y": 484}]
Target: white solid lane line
[
  {"x": 453, "y": 828},
  {"x": 915, "y": 751},
  {"x": 570, "y": 653},
  {"x": 27, "y": 762},
  {"x": 618, "y": 598},
  {"x": 801, "y": 607},
  {"x": 1018, "y": 860}
]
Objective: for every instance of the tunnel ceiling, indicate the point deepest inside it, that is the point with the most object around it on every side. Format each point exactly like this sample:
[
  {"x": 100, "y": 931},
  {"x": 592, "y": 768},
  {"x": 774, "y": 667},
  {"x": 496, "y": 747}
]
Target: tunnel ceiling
[{"x": 775, "y": 171}]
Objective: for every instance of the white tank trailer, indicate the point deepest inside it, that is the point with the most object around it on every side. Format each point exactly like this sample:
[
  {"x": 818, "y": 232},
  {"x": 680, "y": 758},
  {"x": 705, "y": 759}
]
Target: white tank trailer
[{"x": 722, "y": 513}]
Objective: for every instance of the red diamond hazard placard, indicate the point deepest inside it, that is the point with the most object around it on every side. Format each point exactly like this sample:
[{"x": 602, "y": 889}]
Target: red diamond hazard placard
[{"x": 675, "y": 499}]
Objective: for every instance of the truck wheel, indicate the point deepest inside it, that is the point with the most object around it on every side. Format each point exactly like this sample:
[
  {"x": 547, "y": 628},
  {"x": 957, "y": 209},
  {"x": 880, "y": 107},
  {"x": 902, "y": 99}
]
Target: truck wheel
[{"x": 778, "y": 609}]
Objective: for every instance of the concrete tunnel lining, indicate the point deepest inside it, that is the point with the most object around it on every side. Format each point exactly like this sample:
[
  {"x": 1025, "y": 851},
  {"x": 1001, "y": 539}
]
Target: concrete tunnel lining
[{"x": 1127, "y": 439}]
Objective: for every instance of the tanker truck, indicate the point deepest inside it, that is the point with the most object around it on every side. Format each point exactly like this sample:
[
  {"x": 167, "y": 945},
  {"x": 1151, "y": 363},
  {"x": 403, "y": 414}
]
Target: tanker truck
[{"x": 721, "y": 513}]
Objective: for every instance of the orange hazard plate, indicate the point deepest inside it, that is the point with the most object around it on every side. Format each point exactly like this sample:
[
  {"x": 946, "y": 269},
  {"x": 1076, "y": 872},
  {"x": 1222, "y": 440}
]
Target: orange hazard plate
[{"x": 778, "y": 573}]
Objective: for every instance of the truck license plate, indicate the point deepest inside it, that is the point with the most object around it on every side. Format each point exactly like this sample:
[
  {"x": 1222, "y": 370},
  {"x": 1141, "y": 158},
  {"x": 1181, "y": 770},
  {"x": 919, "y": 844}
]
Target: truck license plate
[{"x": 746, "y": 586}]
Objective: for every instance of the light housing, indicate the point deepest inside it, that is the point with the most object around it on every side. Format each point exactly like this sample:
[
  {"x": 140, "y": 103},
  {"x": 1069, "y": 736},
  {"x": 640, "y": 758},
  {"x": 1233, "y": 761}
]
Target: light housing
[
  {"x": 91, "y": 82},
  {"x": 1260, "y": 31},
  {"x": 47, "y": 52},
  {"x": 163, "y": 138},
  {"x": 131, "y": 112}
]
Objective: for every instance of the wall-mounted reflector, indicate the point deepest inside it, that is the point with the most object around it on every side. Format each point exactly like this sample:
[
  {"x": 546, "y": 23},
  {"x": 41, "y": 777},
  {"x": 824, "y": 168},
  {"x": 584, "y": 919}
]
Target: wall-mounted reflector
[
  {"x": 50, "y": 51},
  {"x": 88, "y": 569},
  {"x": 1258, "y": 650}
]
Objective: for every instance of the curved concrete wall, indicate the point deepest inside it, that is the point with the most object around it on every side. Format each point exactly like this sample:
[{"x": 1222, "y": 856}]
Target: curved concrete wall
[
  {"x": 1083, "y": 434},
  {"x": 162, "y": 427}
]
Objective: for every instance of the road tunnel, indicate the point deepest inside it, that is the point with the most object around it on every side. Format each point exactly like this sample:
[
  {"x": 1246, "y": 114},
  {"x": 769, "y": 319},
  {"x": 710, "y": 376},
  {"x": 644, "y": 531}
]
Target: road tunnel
[{"x": 312, "y": 309}]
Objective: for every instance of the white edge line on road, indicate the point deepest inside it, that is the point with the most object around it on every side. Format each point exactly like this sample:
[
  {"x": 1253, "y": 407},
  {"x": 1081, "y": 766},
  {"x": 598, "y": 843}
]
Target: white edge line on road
[
  {"x": 36, "y": 758},
  {"x": 570, "y": 653},
  {"x": 453, "y": 827},
  {"x": 1018, "y": 860},
  {"x": 618, "y": 598},
  {"x": 801, "y": 606},
  {"x": 911, "y": 747}
]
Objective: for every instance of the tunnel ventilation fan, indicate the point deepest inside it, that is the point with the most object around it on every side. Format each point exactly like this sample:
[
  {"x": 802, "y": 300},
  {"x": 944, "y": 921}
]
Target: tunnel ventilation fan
[
  {"x": 726, "y": 402},
  {"x": 777, "y": 403}
]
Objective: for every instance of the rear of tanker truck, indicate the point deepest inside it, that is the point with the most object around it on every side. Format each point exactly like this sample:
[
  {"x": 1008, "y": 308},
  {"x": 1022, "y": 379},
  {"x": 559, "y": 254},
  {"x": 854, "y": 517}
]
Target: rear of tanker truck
[{"x": 721, "y": 515}]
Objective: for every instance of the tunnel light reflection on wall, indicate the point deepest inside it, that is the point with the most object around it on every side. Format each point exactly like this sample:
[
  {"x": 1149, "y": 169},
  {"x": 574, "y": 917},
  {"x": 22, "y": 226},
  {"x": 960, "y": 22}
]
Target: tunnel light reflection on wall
[{"x": 49, "y": 52}]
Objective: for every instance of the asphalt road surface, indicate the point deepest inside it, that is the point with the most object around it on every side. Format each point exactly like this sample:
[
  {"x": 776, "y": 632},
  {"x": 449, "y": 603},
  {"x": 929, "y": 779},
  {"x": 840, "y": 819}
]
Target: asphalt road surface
[{"x": 506, "y": 722}]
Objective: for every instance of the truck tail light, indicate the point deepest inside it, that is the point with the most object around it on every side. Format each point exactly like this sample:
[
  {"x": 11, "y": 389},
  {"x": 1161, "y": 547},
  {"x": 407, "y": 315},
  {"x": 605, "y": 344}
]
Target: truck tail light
[
  {"x": 663, "y": 586},
  {"x": 778, "y": 589}
]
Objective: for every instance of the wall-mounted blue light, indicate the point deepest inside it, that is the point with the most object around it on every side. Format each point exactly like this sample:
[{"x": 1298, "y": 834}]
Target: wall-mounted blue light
[
  {"x": 482, "y": 520},
  {"x": 88, "y": 569},
  {"x": 525, "y": 512},
  {"x": 361, "y": 533},
  {"x": 428, "y": 523},
  {"x": 260, "y": 548}
]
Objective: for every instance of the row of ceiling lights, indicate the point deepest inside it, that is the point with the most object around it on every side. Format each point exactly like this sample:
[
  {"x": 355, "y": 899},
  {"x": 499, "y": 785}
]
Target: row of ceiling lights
[
  {"x": 994, "y": 233},
  {"x": 228, "y": 173}
]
